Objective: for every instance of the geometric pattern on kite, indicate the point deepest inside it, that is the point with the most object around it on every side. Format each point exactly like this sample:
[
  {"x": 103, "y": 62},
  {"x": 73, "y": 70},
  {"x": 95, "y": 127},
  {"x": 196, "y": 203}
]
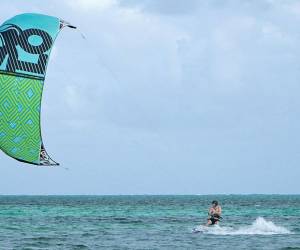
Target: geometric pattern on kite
[{"x": 25, "y": 45}]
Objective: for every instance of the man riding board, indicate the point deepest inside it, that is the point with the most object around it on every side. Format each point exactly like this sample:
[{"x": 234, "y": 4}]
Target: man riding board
[{"x": 214, "y": 213}]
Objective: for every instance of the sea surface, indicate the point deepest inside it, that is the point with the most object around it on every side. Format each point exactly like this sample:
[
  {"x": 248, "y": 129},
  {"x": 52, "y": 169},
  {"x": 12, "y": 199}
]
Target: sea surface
[{"x": 149, "y": 222}]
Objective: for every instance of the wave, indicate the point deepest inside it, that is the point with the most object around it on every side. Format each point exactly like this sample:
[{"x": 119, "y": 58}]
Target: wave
[{"x": 259, "y": 227}]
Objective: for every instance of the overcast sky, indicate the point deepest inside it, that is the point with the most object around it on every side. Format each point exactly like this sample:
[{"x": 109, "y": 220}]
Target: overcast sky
[{"x": 167, "y": 97}]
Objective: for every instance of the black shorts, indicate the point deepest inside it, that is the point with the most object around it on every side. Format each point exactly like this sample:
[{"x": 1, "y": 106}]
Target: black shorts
[{"x": 213, "y": 220}]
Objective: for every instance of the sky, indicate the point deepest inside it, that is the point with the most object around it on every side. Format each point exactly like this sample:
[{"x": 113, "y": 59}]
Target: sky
[{"x": 167, "y": 97}]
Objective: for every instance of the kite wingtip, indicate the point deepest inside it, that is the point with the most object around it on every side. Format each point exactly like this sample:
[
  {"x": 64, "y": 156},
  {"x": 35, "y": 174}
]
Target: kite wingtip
[
  {"x": 72, "y": 26},
  {"x": 64, "y": 23}
]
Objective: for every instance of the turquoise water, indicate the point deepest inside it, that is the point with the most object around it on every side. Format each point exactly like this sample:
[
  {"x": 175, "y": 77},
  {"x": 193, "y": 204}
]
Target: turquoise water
[{"x": 148, "y": 222}]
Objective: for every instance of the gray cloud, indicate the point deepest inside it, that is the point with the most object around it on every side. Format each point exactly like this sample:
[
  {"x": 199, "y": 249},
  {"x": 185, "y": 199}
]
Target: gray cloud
[{"x": 168, "y": 7}]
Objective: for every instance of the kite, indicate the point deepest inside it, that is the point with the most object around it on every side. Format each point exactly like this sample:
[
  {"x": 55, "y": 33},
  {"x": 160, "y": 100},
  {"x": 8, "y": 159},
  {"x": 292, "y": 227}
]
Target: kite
[{"x": 25, "y": 45}]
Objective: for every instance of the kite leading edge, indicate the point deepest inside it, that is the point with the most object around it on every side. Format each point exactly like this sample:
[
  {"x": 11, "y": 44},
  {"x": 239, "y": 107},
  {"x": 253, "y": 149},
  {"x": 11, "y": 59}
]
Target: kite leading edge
[{"x": 25, "y": 45}]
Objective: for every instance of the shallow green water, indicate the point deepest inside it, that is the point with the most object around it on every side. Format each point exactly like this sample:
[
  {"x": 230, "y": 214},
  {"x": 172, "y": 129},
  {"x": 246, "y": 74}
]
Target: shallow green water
[{"x": 148, "y": 222}]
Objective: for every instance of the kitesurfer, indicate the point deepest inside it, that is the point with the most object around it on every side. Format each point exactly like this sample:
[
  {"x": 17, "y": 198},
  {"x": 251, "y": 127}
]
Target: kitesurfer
[{"x": 214, "y": 213}]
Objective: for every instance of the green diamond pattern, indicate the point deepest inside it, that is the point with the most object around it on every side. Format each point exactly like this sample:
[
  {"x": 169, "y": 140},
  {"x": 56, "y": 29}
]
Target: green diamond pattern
[{"x": 20, "y": 100}]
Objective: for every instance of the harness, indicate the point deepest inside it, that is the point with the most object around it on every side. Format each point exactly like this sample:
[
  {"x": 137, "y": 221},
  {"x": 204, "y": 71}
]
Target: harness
[{"x": 214, "y": 218}]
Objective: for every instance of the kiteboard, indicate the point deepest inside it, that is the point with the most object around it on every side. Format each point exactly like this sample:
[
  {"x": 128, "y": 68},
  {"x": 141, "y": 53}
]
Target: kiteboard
[{"x": 200, "y": 229}]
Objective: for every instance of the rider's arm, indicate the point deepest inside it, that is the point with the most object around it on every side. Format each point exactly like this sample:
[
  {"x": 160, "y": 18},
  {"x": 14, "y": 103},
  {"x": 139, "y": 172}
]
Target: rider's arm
[{"x": 218, "y": 211}]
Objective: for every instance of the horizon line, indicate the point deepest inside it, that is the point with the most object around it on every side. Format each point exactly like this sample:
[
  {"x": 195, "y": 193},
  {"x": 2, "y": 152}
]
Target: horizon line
[{"x": 232, "y": 194}]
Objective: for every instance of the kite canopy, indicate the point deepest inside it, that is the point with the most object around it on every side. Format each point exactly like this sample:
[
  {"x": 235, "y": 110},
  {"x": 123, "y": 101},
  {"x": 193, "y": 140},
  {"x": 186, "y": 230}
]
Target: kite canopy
[{"x": 25, "y": 45}]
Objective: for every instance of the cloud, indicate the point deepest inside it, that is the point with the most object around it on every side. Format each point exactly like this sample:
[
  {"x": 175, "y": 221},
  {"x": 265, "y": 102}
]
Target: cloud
[
  {"x": 91, "y": 5},
  {"x": 168, "y": 7}
]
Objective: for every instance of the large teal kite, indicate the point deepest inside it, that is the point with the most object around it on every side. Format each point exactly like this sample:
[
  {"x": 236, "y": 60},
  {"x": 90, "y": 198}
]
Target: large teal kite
[{"x": 25, "y": 45}]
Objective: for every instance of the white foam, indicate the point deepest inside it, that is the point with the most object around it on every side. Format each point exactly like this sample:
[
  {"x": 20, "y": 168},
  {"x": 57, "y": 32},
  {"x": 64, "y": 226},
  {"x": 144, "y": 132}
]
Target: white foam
[{"x": 259, "y": 227}]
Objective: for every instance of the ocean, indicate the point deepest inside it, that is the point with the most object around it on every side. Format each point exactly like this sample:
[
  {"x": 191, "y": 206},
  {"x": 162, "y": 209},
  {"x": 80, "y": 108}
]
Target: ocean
[{"x": 149, "y": 222}]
